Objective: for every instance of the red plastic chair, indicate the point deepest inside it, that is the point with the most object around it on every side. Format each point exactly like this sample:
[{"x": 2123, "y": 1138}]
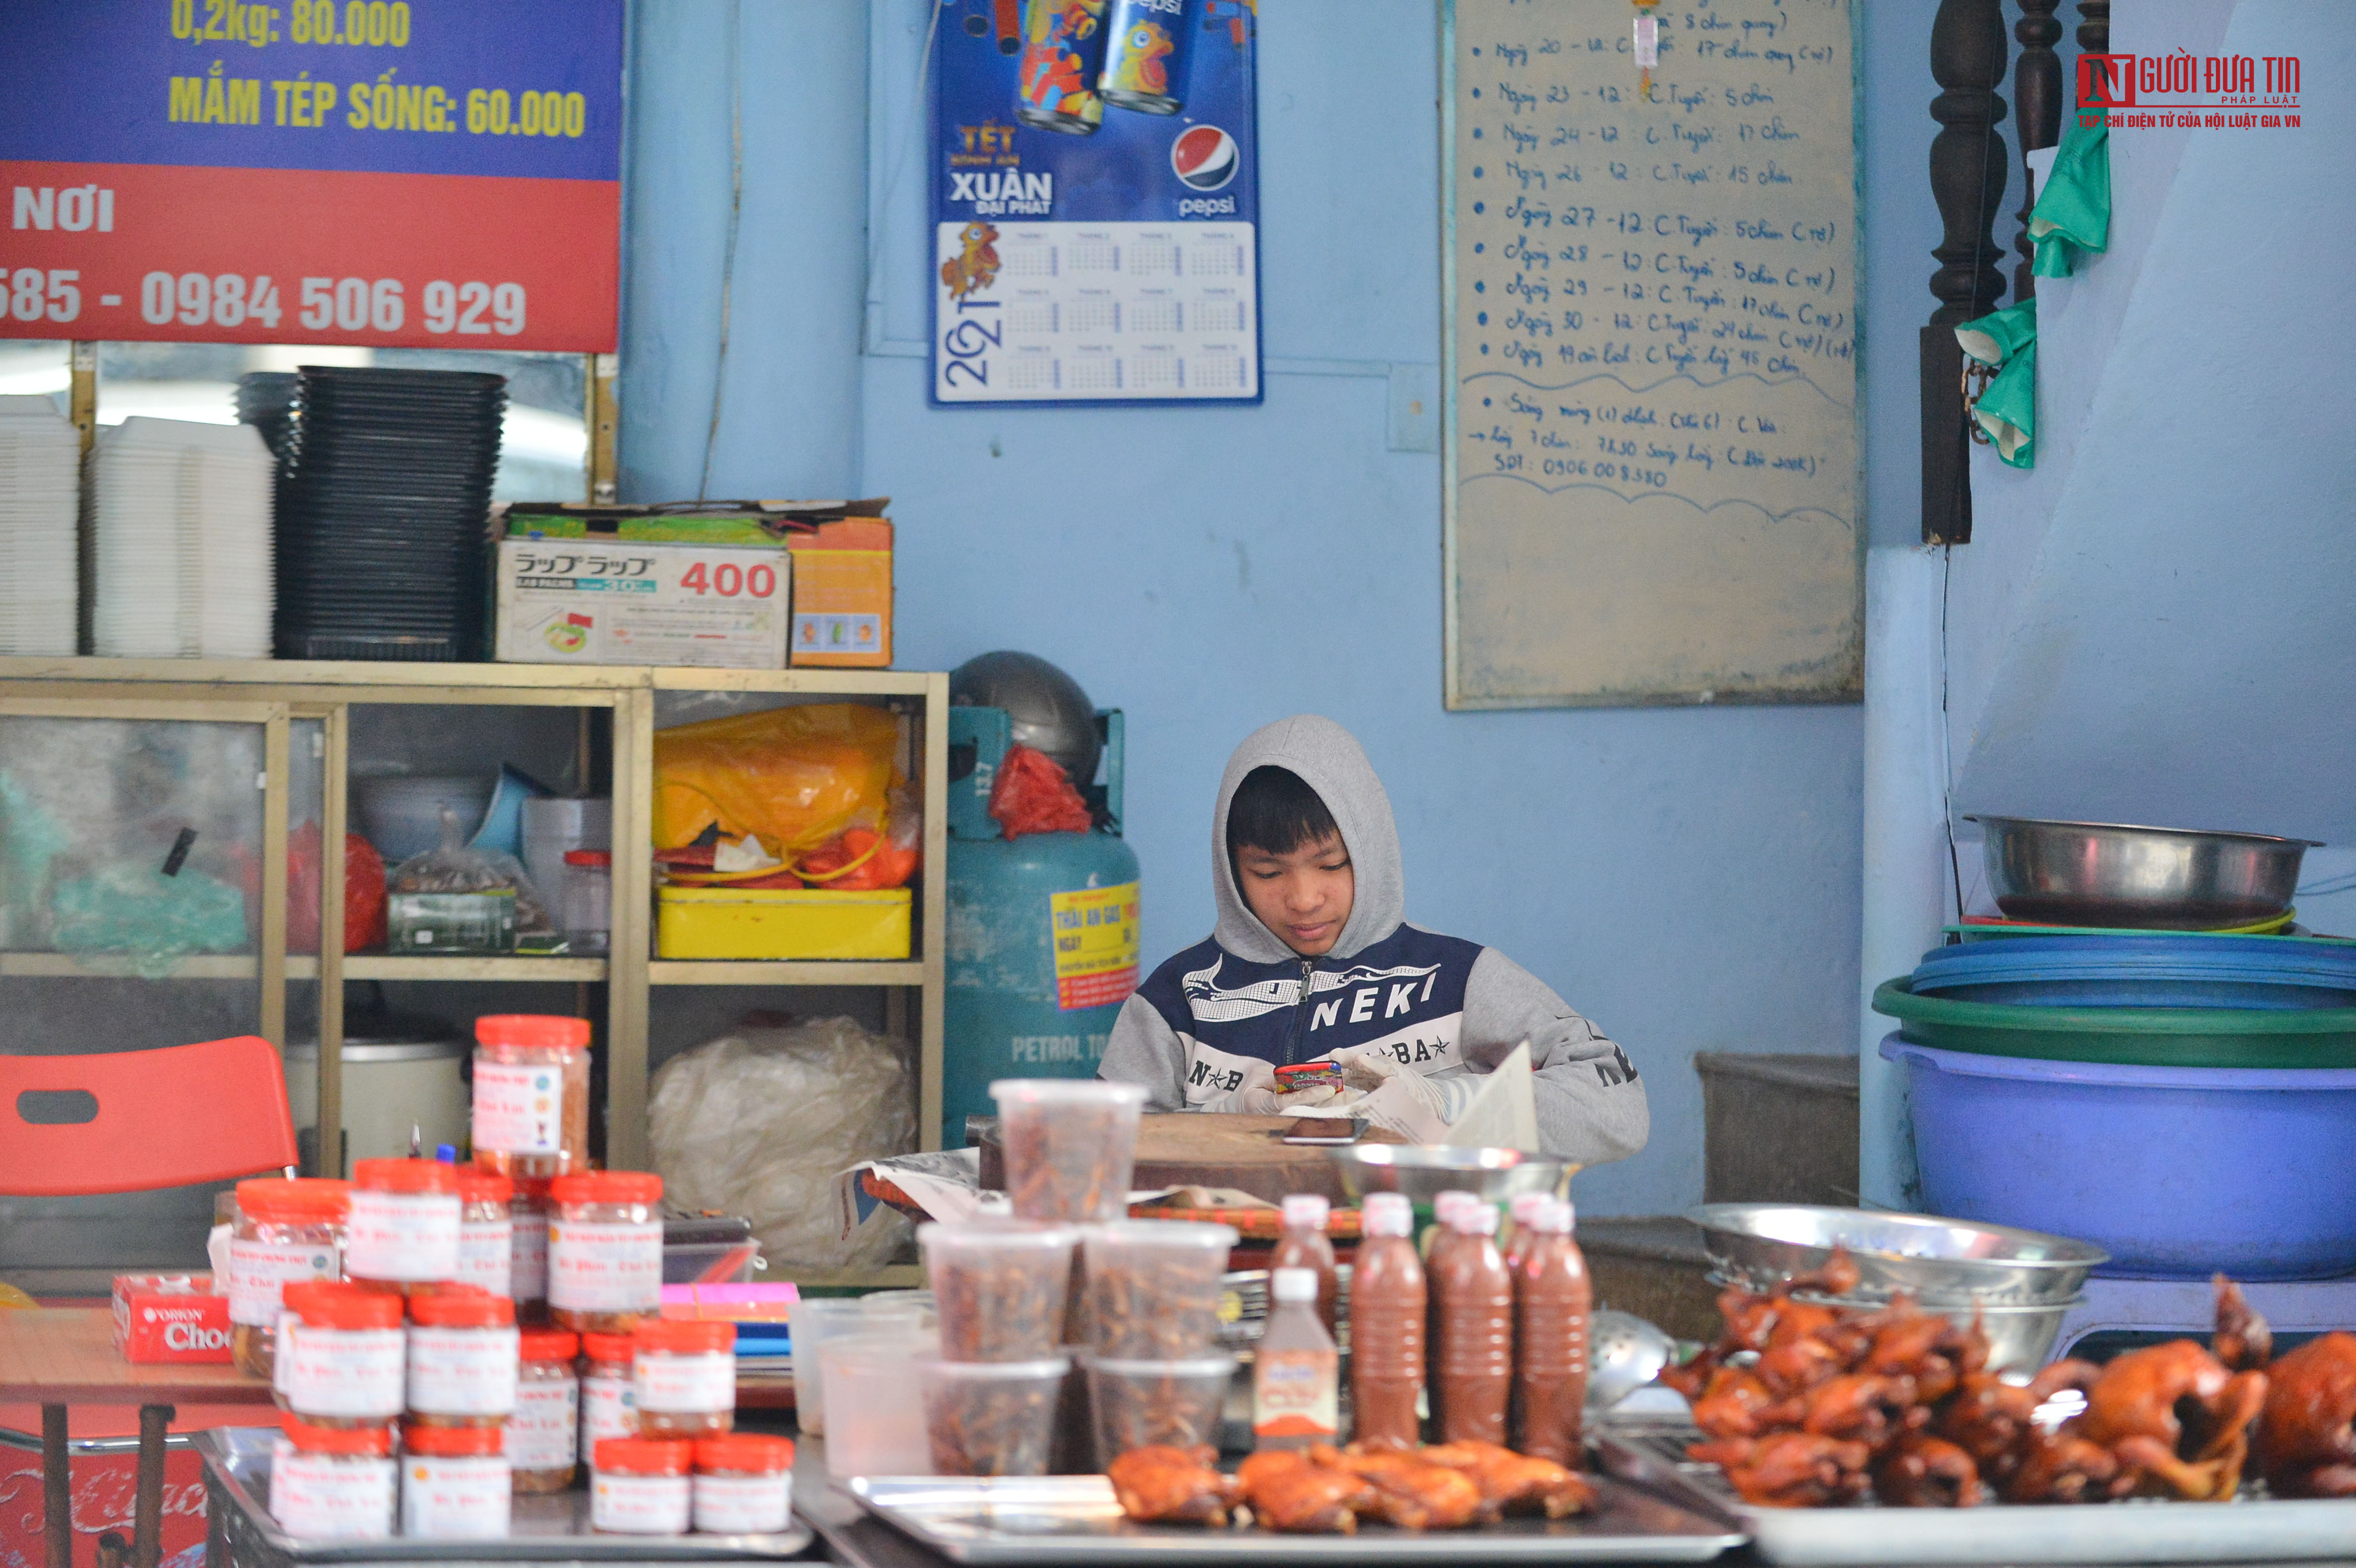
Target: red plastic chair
[{"x": 130, "y": 1122}]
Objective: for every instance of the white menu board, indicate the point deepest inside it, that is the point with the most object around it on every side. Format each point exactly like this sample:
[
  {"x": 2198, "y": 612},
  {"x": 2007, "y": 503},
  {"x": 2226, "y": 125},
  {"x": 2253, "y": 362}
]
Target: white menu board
[{"x": 1650, "y": 485}]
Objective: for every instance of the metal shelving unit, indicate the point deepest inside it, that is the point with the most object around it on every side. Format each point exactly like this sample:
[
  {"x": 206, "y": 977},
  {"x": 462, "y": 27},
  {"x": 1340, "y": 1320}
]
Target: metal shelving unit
[{"x": 272, "y": 693}]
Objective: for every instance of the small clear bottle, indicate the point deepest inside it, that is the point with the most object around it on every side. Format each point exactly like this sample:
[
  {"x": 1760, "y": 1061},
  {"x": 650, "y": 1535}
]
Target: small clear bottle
[
  {"x": 609, "y": 1391},
  {"x": 544, "y": 1433},
  {"x": 528, "y": 1274},
  {"x": 1296, "y": 1394},
  {"x": 605, "y": 1250},
  {"x": 462, "y": 1359},
  {"x": 485, "y": 1230},
  {"x": 743, "y": 1483},
  {"x": 1305, "y": 1244},
  {"x": 454, "y": 1484},
  {"x": 332, "y": 1483},
  {"x": 341, "y": 1359},
  {"x": 639, "y": 1486},
  {"x": 531, "y": 1093},
  {"x": 286, "y": 1232},
  {"x": 685, "y": 1377},
  {"x": 404, "y": 1223},
  {"x": 588, "y": 899}
]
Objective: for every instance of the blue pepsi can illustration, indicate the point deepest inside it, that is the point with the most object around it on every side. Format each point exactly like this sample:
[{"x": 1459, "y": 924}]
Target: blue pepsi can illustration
[{"x": 1146, "y": 46}]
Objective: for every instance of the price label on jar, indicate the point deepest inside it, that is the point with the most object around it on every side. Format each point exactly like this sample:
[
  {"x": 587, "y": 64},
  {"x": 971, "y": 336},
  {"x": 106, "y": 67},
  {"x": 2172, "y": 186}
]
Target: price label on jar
[
  {"x": 544, "y": 1431},
  {"x": 319, "y": 1497},
  {"x": 258, "y": 1271},
  {"x": 519, "y": 1108},
  {"x": 609, "y": 1408},
  {"x": 402, "y": 1235},
  {"x": 462, "y": 1371},
  {"x": 487, "y": 1254},
  {"x": 743, "y": 1505},
  {"x": 527, "y": 1276},
  {"x": 455, "y": 1496},
  {"x": 604, "y": 1265},
  {"x": 343, "y": 1371},
  {"x": 698, "y": 1382}
]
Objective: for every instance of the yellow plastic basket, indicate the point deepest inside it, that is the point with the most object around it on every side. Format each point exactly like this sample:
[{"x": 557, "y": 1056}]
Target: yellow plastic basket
[{"x": 781, "y": 923}]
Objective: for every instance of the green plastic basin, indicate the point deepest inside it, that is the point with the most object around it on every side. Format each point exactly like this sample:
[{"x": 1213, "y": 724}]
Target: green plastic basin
[{"x": 2125, "y": 1036}]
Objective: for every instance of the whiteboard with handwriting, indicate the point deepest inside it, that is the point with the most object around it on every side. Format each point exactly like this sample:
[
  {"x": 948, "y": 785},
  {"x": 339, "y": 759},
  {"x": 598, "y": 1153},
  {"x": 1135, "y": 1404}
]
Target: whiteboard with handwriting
[{"x": 1652, "y": 488}]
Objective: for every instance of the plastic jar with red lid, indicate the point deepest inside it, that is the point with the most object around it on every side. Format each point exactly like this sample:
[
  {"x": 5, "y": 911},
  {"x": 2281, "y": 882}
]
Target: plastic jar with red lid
[
  {"x": 453, "y": 1483},
  {"x": 404, "y": 1224},
  {"x": 485, "y": 1230},
  {"x": 462, "y": 1359},
  {"x": 332, "y": 1483},
  {"x": 531, "y": 1093},
  {"x": 341, "y": 1359},
  {"x": 609, "y": 1391},
  {"x": 288, "y": 1230},
  {"x": 605, "y": 1250},
  {"x": 543, "y": 1434},
  {"x": 528, "y": 1274},
  {"x": 640, "y": 1487},
  {"x": 743, "y": 1483},
  {"x": 686, "y": 1376}
]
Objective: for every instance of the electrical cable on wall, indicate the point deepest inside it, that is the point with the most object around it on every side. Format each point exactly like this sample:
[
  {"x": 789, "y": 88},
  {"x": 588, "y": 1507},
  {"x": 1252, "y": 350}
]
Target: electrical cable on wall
[{"x": 735, "y": 211}]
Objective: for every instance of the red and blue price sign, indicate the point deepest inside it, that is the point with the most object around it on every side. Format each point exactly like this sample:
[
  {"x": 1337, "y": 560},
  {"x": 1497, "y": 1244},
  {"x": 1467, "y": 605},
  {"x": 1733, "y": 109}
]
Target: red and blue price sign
[{"x": 422, "y": 173}]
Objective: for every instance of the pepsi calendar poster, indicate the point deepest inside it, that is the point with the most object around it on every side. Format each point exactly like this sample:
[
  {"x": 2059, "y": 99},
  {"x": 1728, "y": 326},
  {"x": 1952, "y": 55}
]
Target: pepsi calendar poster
[{"x": 1096, "y": 202}]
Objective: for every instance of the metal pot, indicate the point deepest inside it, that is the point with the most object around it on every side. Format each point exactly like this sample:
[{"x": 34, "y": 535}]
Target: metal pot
[
  {"x": 1941, "y": 1263},
  {"x": 2160, "y": 879}
]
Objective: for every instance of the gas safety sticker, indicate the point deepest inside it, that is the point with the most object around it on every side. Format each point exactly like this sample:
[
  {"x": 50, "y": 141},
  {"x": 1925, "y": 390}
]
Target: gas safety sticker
[{"x": 1096, "y": 945}]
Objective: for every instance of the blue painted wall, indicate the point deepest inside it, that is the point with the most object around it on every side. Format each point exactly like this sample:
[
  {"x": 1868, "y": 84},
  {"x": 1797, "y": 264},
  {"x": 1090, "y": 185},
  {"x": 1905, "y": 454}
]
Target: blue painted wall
[{"x": 1689, "y": 878}]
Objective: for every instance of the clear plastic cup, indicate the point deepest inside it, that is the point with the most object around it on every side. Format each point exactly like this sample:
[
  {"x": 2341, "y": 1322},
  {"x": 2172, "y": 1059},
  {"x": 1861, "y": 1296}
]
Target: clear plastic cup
[
  {"x": 1154, "y": 1288},
  {"x": 1139, "y": 1404},
  {"x": 1070, "y": 1144},
  {"x": 990, "y": 1418},
  {"x": 812, "y": 1322},
  {"x": 879, "y": 1412},
  {"x": 1000, "y": 1287}
]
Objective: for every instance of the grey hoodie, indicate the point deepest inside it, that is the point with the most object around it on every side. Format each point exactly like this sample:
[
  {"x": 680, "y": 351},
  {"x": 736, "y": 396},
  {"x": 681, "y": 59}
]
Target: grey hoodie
[{"x": 1449, "y": 1008}]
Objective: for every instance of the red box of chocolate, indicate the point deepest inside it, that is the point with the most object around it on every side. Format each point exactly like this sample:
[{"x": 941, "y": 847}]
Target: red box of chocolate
[{"x": 170, "y": 1317}]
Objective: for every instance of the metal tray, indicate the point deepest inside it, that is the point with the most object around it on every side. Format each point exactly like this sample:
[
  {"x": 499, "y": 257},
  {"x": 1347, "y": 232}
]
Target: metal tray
[
  {"x": 2143, "y": 1531},
  {"x": 1074, "y": 1520},
  {"x": 553, "y": 1528}
]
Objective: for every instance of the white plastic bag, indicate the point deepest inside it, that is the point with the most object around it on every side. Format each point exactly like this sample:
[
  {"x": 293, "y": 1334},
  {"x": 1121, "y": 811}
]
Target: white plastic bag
[{"x": 759, "y": 1123}]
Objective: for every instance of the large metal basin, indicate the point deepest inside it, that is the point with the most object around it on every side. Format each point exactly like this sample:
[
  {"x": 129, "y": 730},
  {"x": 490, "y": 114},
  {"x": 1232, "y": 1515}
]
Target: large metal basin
[
  {"x": 2158, "y": 879},
  {"x": 1941, "y": 1263},
  {"x": 1424, "y": 1172}
]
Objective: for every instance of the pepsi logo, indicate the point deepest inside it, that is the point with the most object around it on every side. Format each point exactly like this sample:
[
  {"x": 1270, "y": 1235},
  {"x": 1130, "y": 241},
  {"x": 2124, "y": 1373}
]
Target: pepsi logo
[{"x": 1205, "y": 157}]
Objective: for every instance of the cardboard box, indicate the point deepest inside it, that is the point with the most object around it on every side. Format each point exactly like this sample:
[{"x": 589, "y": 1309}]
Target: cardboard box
[
  {"x": 842, "y": 595},
  {"x": 604, "y": 601},
  {"x": 170, "y": 1317}
]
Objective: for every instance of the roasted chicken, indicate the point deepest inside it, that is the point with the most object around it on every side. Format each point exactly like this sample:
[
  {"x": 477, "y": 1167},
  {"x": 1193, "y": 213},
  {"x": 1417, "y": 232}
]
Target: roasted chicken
[
  {"x": 1927, "y": 1472},
  {"x": 1411, "y": 1492},
  {"x": 2305, "y": 1445},
  {"x": 2176, "y": 1416},
  {"x": 1174, "y": 1486},
  {"x": 1288, "y": 1492},
  {"x": 1791, "y": 1470},
  {"x": 1516, "y": 1483}
]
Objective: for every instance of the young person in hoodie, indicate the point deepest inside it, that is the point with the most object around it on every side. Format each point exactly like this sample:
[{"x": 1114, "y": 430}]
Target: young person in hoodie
[{"x": 1312, "y": 960}]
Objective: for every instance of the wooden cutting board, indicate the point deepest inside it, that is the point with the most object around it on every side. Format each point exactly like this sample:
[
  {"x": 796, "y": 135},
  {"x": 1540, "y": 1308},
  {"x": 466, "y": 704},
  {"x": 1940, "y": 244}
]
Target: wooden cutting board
[{"x": 1197, "y": 1148}]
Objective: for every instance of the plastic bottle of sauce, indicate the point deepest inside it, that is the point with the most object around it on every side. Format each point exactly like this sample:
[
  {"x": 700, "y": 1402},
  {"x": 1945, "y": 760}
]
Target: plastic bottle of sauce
[
  {"x": 1476, "y": 1331},
  {"x": 1387, "y": 1300},
  {"x": 1438, "y": 1243},
  {"x": 1552, "y": 1298},
  {"x": 1524, "y": 1210},
  {"x": 1305, "y": 1244},
  {"x": 1296, "y": 1372}
]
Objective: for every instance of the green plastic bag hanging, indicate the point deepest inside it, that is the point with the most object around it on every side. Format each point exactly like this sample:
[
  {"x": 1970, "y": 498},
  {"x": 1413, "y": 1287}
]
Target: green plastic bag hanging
[
  {"x": 2073, "y": 214},
  {"x": 2007, "y": 409}
]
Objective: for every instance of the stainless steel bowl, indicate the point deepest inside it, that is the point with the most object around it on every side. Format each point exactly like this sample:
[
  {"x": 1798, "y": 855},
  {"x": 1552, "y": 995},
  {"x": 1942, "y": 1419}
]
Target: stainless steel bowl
[
  {"x": 1424, "y": 1172},
  {"x": 1944, "y": 1263},
  {"x": 2160, "y": 879}
]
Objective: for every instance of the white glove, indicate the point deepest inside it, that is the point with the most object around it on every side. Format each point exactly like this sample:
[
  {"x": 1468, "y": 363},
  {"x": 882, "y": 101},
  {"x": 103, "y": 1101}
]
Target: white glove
[
  {"x": 1403, "y": 1101},
  {"x": 1258, "y": 1095}
]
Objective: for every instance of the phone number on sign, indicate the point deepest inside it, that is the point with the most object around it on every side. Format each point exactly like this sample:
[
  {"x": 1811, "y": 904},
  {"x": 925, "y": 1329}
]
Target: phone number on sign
[{"x": 232, "y": 300}]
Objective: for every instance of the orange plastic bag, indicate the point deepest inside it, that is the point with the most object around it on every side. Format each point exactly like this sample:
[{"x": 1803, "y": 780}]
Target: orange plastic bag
[
  {"x": 863, "y": 860},
  {"x": 1032, "y": 793},
  {"x": 794, "y": 776}
]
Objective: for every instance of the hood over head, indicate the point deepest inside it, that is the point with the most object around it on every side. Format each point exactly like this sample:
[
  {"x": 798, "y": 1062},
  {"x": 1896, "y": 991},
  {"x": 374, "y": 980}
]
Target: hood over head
[{"x": 1328, "y": 758}]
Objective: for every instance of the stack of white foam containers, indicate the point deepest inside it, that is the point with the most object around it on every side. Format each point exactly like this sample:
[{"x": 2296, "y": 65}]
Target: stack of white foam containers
[
  {"x": 40, "y": 461},
  {"x": 180, "y": 541}
]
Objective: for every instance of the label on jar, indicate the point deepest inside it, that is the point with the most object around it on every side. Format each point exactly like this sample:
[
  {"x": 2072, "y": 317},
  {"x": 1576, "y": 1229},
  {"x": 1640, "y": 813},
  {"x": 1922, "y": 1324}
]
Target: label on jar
[
  {"x": 1293, "y": 1395},
  {"x": 281, "y": 1359},
  {"x": 258, "y": 1269},
  {"x": 519, "y": 1108},
  {"x": 544, "y": 1431},
  {"x": 462, "y": 1371},
  {"x": 487, "y": 1254},
  {"x": 402, "y": 1235},
  {"x": 604, "y": 1265},
  {"x": 455, "y": 1496},
  {"x": 744, "y": 1504},
  {"x": 609, "y": 1408},
  {"x": 528, "y": 1280},
  {"x": 638, "y": 1504},
  {"x": 320, "y": 1497},
  {"x": 343, "y": 1371},
  {"x": 701, "y": 1382}
]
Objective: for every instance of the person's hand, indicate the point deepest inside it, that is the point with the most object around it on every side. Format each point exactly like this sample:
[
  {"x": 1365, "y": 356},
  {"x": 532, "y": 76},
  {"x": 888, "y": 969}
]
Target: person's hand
[
  {"x": 1258, "y": 1095},
  {"x": 1403, "y": 1101}
]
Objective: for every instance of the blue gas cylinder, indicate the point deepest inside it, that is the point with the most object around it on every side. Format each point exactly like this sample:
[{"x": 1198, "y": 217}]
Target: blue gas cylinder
[{"x": 1042, "y": 946}]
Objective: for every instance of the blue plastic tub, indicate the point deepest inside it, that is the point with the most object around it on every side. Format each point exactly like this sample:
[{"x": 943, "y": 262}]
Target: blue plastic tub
[
  {"x": 2175, "y": 1171},
  {"x": 2141, "y": 972}
]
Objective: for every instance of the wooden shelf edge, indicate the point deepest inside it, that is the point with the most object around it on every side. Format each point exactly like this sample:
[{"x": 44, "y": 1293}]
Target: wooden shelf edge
[
  {"x": 890, "y": 1276},
  {"x": 457, "y": 966},
  {"x": 520, "y": 676},
  {"x": 787, "y": 972}
]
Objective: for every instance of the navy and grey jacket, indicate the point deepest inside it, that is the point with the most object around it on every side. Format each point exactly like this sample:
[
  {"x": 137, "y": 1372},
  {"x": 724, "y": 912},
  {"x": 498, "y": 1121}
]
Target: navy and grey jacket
[{"x": 1449, "y": 1008}]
